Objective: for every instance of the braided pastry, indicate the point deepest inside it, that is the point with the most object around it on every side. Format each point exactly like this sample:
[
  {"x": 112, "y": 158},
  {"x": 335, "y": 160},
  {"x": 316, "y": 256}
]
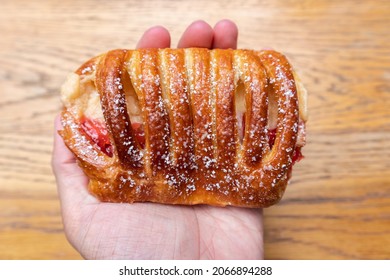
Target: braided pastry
[{"x": 186, "y": 126}]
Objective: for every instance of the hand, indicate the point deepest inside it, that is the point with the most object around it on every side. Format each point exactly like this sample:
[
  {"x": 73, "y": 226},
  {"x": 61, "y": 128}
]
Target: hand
[{"x": 154, "y": 231}]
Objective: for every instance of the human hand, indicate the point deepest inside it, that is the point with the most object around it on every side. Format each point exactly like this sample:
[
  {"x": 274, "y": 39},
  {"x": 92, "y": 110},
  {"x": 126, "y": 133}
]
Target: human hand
[{"x": 100, "y": 230}]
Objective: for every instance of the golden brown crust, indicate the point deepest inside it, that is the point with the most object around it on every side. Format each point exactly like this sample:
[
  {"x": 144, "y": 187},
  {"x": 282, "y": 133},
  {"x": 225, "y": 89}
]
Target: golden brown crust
[{"x": 193, "y": 153}]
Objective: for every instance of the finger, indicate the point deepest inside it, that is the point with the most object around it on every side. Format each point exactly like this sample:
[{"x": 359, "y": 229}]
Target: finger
[
  {"x": 155, "y": 37},
  {"x": 198, "y": 34},
  {"x": 225, "y": 35}
]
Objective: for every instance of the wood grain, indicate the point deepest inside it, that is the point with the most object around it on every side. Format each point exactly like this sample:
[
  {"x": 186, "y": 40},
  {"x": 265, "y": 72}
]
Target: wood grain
[{"x": 338, "y": 203}]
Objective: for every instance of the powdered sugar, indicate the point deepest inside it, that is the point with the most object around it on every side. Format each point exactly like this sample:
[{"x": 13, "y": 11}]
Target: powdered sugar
[{"x": 174, "y": 96}]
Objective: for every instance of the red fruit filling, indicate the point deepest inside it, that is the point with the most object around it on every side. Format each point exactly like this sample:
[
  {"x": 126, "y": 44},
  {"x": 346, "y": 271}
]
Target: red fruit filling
[
  {"x": 297, "y": 154},
  {"x": 97, "y": 133},
  {"x": 139, "y": 133}
]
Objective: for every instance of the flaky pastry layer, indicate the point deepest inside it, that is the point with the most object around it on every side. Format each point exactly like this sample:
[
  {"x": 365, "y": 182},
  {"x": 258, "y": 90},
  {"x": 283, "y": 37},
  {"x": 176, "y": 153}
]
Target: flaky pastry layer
[{"x": 206, "y": 117}]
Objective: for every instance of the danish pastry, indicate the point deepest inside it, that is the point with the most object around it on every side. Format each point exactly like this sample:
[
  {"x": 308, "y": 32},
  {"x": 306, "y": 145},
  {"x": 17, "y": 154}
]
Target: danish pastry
[{"x": 186, "y": 126}]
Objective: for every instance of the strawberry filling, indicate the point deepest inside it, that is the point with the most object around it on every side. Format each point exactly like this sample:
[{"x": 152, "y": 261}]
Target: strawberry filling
[
  {"x": 297, "y": 154},
  {"x": 139, "y": 133},
  {"x": 97, "y": 133}
]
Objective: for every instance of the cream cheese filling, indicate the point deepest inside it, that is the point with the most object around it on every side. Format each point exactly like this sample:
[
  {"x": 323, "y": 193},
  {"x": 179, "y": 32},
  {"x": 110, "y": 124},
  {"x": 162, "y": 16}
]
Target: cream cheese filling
[{"x": 80, "y": 96}]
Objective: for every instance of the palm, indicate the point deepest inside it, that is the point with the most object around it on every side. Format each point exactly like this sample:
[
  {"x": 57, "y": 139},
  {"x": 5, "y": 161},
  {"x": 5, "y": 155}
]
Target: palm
[{"x": 154, "y": 231}]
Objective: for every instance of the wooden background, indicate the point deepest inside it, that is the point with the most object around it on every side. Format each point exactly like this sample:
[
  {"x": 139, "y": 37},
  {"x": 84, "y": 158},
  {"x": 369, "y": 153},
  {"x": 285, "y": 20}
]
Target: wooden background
[{"x": 338, "y": 204}]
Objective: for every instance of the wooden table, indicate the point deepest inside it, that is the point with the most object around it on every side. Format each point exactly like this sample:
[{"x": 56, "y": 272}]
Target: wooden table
[{"x": 338, "y": 203}]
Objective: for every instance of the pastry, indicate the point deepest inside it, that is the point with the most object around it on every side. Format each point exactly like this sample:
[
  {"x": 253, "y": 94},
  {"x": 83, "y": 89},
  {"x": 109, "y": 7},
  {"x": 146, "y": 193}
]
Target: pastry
[{"x": 186, "y": 126}]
